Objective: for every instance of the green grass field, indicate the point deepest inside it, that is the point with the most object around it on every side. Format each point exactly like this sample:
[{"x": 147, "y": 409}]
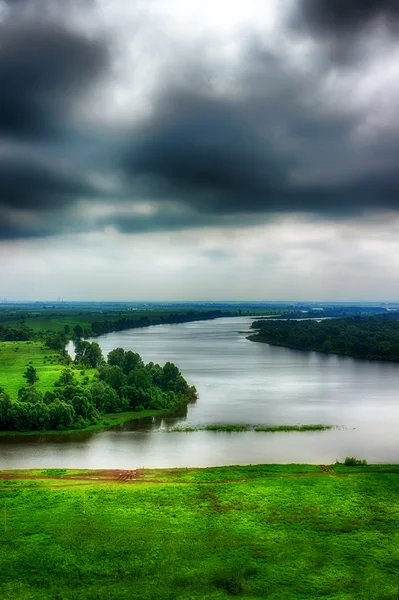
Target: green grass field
[
  {"x": 48, "y": 320},
  {"x": 272, "y": 531},
  {"x": 16, "y": 356},
  {"x": 54, "y": 318}
]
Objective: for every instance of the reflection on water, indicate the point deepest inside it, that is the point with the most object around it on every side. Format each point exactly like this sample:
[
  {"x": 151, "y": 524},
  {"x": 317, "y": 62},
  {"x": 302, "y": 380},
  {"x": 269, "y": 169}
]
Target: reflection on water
[{"x": 238, "y": 382}]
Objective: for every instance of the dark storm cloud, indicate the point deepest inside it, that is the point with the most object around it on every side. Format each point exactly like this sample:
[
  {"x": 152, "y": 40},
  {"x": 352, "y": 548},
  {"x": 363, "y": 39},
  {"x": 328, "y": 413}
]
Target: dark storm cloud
[
  {"x": 42, "y": 72},
  {"x": 270, "y": 145},
  {"x": 343, "y": 27},
  {"x": 224, "y": 157},
  {"x": 208, "y": 150},
  {"x": 30, "y": 184},
  {"x": 45, "y": 69},
  {"x": 17, "y": 226},
  {"x": 341, "y": 17}
]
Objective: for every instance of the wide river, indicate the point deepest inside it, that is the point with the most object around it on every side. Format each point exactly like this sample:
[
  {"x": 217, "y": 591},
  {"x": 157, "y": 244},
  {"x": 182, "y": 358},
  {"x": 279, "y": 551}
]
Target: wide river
[{"x": 238, "y": 382}]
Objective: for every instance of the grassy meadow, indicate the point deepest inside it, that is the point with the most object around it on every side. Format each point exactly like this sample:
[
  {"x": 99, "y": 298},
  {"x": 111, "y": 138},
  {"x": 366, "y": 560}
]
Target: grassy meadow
[
  {"x": 269, "y": 531},
  {"x": 41, "y": 320},
  {"x": 16, "y": 356}
]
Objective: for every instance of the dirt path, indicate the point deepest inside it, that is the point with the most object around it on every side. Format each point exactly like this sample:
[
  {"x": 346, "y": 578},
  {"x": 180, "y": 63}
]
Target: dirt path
[{"x": 136, "y": 476}]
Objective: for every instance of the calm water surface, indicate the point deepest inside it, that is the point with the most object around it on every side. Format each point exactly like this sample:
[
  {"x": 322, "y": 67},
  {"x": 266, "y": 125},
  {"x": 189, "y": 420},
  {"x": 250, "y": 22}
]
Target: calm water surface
[{"x": 238, "y": 382}]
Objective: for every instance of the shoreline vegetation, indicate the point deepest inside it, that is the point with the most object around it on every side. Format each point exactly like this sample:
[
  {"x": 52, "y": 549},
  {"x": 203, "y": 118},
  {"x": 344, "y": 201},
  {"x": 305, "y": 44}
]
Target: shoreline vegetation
[
  {"x": 364, "y": 337},
  {"x": 278, "y": 531},
  {"x": 107, "y": 421},
  {"x": 76, "y": 325},
  {"x": 236, "y": 428}
]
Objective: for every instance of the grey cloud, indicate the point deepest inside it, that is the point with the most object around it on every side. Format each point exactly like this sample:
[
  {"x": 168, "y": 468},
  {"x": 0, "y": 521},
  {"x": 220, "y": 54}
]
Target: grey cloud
[
  {"x": 42, "y": 71},
  {"x": 45, "y": 68},
  {"x": 216, "y": 254},
  {"x": 271, "y": 145},
  {"x": 26, "y": 183},
  {"x": 25, "y": 224},
  {"x": 166, "y": 219},
  {"x": 343, "y": 28},
  {"x": 341, "y": 17},
  {"x": 229, "y": 156},
  {"x": 206, "y": 150}
]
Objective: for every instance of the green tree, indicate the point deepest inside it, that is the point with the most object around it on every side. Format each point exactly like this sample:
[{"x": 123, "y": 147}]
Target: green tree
[
  {"x": 78, "y": 331},
  {"x": 56, "y": 341},
  {"x": 116, "y": 357},
  {"x": 61, "y": 415},
  {"x": 95, "y": 355},
  {"x": 84, "y": 408},
  {"x": 132, "y": 361},
  {"x": 18, "y": 416},
  {"x": 113, "y": 376},
  {"x": 140, "y": 378},
  {"x": 31, "y": 375},
  {"x": 88, "y": 354},
  {"x": 66, "y": 378},
  {"x": 104, "y": 397},
  {"x": 30, "y": 395},
  {"x": 5, "y": 404},
  {"x": 40, "y": 417}
]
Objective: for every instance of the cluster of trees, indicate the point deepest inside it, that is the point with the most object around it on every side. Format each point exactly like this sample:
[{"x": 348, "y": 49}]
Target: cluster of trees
[
  {"x": 122, "y": 383},
  {"x": 361, "y": 337},
  {"x": 15, "y": 334},
  {"x": 56, "y": 340}
]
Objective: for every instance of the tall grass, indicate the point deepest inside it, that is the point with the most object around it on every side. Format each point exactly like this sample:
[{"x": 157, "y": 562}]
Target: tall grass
[{"x": 241, "y": 427}]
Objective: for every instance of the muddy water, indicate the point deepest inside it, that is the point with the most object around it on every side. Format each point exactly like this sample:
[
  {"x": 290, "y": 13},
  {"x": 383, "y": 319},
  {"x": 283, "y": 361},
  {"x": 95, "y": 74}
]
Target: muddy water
[{"x": 238, "y": 382}]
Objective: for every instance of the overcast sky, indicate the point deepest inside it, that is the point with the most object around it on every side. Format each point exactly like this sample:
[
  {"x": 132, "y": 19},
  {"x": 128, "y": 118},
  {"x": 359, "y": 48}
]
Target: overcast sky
[{"x": 202, "y": 149}]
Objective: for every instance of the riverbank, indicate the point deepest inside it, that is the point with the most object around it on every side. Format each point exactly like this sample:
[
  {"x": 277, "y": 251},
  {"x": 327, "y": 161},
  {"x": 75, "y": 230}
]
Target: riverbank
[
  {"x": 107, "y": 421},
  {"x": 364, "y": 337},
  {"x": 259, "y": 340},
  {"x": 278, "y": 531}
]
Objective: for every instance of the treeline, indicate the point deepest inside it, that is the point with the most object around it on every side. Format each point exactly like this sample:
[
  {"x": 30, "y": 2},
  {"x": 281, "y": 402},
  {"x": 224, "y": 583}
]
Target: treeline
[
  {"x": 122, "y": 383},
  {"x": 106, "y": 326},
  {"x": 15, "y": 334},
  {"x": 55, "y": 339},
  {"x": 329, "y": 312},
  {"x": 374, "y": 338}
]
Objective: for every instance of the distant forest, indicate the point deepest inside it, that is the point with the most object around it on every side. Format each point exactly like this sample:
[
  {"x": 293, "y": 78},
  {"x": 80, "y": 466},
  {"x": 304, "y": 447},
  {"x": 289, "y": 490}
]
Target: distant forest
[
  {"x": 332, "y": 311},
  {"x": 107, "y": 326},
  {"x": 375, "y": 337},
  {"x": 20, "y": 331}
]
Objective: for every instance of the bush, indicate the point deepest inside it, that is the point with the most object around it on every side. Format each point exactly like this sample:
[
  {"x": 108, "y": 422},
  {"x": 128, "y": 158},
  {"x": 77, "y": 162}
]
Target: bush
[
  {"x": 351, "y": 461},
  {"x": 232, "y": 583},
  {"x": 232, "y": 580}
]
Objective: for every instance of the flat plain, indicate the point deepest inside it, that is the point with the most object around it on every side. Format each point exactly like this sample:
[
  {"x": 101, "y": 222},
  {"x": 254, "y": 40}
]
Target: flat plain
[{"x": 266, "y": 531}]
